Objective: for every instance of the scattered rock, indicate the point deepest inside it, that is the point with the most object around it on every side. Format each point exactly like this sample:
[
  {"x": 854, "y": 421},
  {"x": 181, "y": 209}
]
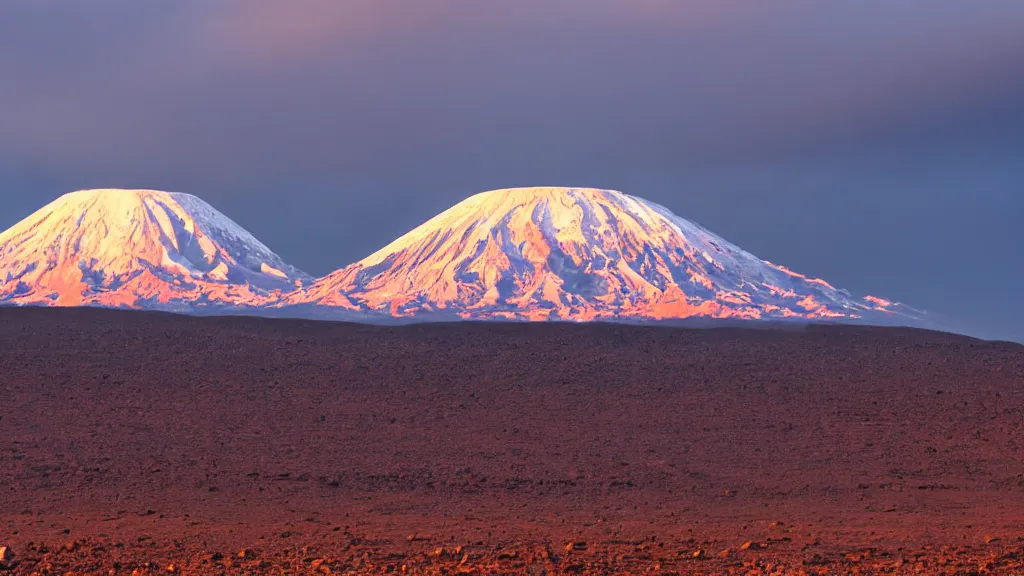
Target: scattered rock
[
  {"x": 516, "y": 557},
  {"x": 618, "y": 544},
  {"x": 7, "y": 558}
]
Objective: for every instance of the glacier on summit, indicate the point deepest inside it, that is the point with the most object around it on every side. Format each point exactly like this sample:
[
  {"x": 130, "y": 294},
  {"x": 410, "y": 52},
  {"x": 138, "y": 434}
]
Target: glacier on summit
[
  {"x": 138, "y": 249},
  {"x": 575, "y": 254},
  {"x": 578, "y": 254}
]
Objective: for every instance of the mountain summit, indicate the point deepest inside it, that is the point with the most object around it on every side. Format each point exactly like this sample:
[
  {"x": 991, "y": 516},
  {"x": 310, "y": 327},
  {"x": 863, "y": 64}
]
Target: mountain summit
[
  {"x": 137, "y": 249},
  {"x": 577, "y": 254},
  {"x": 520, "y": 254}
]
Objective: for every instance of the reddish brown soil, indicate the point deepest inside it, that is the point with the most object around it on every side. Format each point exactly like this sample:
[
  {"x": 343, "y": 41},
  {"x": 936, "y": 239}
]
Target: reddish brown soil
[{"x": 132, "y": 442}]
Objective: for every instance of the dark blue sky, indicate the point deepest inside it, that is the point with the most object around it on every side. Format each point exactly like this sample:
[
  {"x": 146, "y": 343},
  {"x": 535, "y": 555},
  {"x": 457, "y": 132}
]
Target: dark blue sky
[{"x": 878, "y": 144}]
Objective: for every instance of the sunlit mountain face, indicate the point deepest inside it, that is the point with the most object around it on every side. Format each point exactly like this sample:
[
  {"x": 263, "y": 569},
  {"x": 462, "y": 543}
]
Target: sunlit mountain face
[
  {"x": 138, "y": 249},
  {"x": 578, "y": 254},
  {"x": 519, "y": 254}
]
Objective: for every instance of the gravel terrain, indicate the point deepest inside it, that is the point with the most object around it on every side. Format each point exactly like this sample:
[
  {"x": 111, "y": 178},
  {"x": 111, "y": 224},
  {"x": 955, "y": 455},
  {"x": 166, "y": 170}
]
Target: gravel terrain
[{"x": 148, "y": 443}]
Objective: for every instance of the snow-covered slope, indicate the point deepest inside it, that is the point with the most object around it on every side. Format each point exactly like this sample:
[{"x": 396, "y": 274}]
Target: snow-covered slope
[
  {"x": 527, "y": 254},
  {"x": 139, "y": 249},
  {"x": 577, "y": 254}
]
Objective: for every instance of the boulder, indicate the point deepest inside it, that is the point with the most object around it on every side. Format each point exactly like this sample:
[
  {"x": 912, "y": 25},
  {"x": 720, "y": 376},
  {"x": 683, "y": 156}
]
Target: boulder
[{"x": 7, "y": 559}]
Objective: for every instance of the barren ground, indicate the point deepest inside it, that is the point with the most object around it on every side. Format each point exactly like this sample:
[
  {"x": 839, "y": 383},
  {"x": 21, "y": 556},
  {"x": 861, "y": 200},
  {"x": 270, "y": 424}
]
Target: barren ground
[{"x": 149, "y": 443}]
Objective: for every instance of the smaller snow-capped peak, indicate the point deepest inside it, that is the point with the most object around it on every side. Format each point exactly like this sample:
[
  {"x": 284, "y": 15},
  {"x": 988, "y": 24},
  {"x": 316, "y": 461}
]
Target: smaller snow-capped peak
[
  {"x": 137, "y": 248},
  {"x": 576, "y": 254}
]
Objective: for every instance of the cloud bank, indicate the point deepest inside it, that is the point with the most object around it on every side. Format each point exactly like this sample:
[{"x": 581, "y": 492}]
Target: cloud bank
[{"x": 840, "y": 138}]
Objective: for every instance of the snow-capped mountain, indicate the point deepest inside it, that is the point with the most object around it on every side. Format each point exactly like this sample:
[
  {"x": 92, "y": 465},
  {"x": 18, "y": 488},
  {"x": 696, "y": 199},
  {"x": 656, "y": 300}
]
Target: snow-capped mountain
[
  {"x": 138, "y": 249},
  {"x": 577, "y": 254},
  {"x": 523, "y": 254}
]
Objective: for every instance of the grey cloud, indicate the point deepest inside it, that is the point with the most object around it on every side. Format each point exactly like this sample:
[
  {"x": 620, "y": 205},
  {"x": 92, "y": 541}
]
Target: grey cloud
[{"x": 839, "y": 138}]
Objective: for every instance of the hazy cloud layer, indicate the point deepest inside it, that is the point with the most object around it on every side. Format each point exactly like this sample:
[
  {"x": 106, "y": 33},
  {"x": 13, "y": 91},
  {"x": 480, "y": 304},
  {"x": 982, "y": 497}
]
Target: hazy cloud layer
[{"x": 876, "y": 143}]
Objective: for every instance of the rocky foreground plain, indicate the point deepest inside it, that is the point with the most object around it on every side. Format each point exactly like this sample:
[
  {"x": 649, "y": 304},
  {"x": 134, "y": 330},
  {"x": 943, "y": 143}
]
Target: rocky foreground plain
[
  {"x": 102, "y": 556},
  {"x": 135, "y": 443}
]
